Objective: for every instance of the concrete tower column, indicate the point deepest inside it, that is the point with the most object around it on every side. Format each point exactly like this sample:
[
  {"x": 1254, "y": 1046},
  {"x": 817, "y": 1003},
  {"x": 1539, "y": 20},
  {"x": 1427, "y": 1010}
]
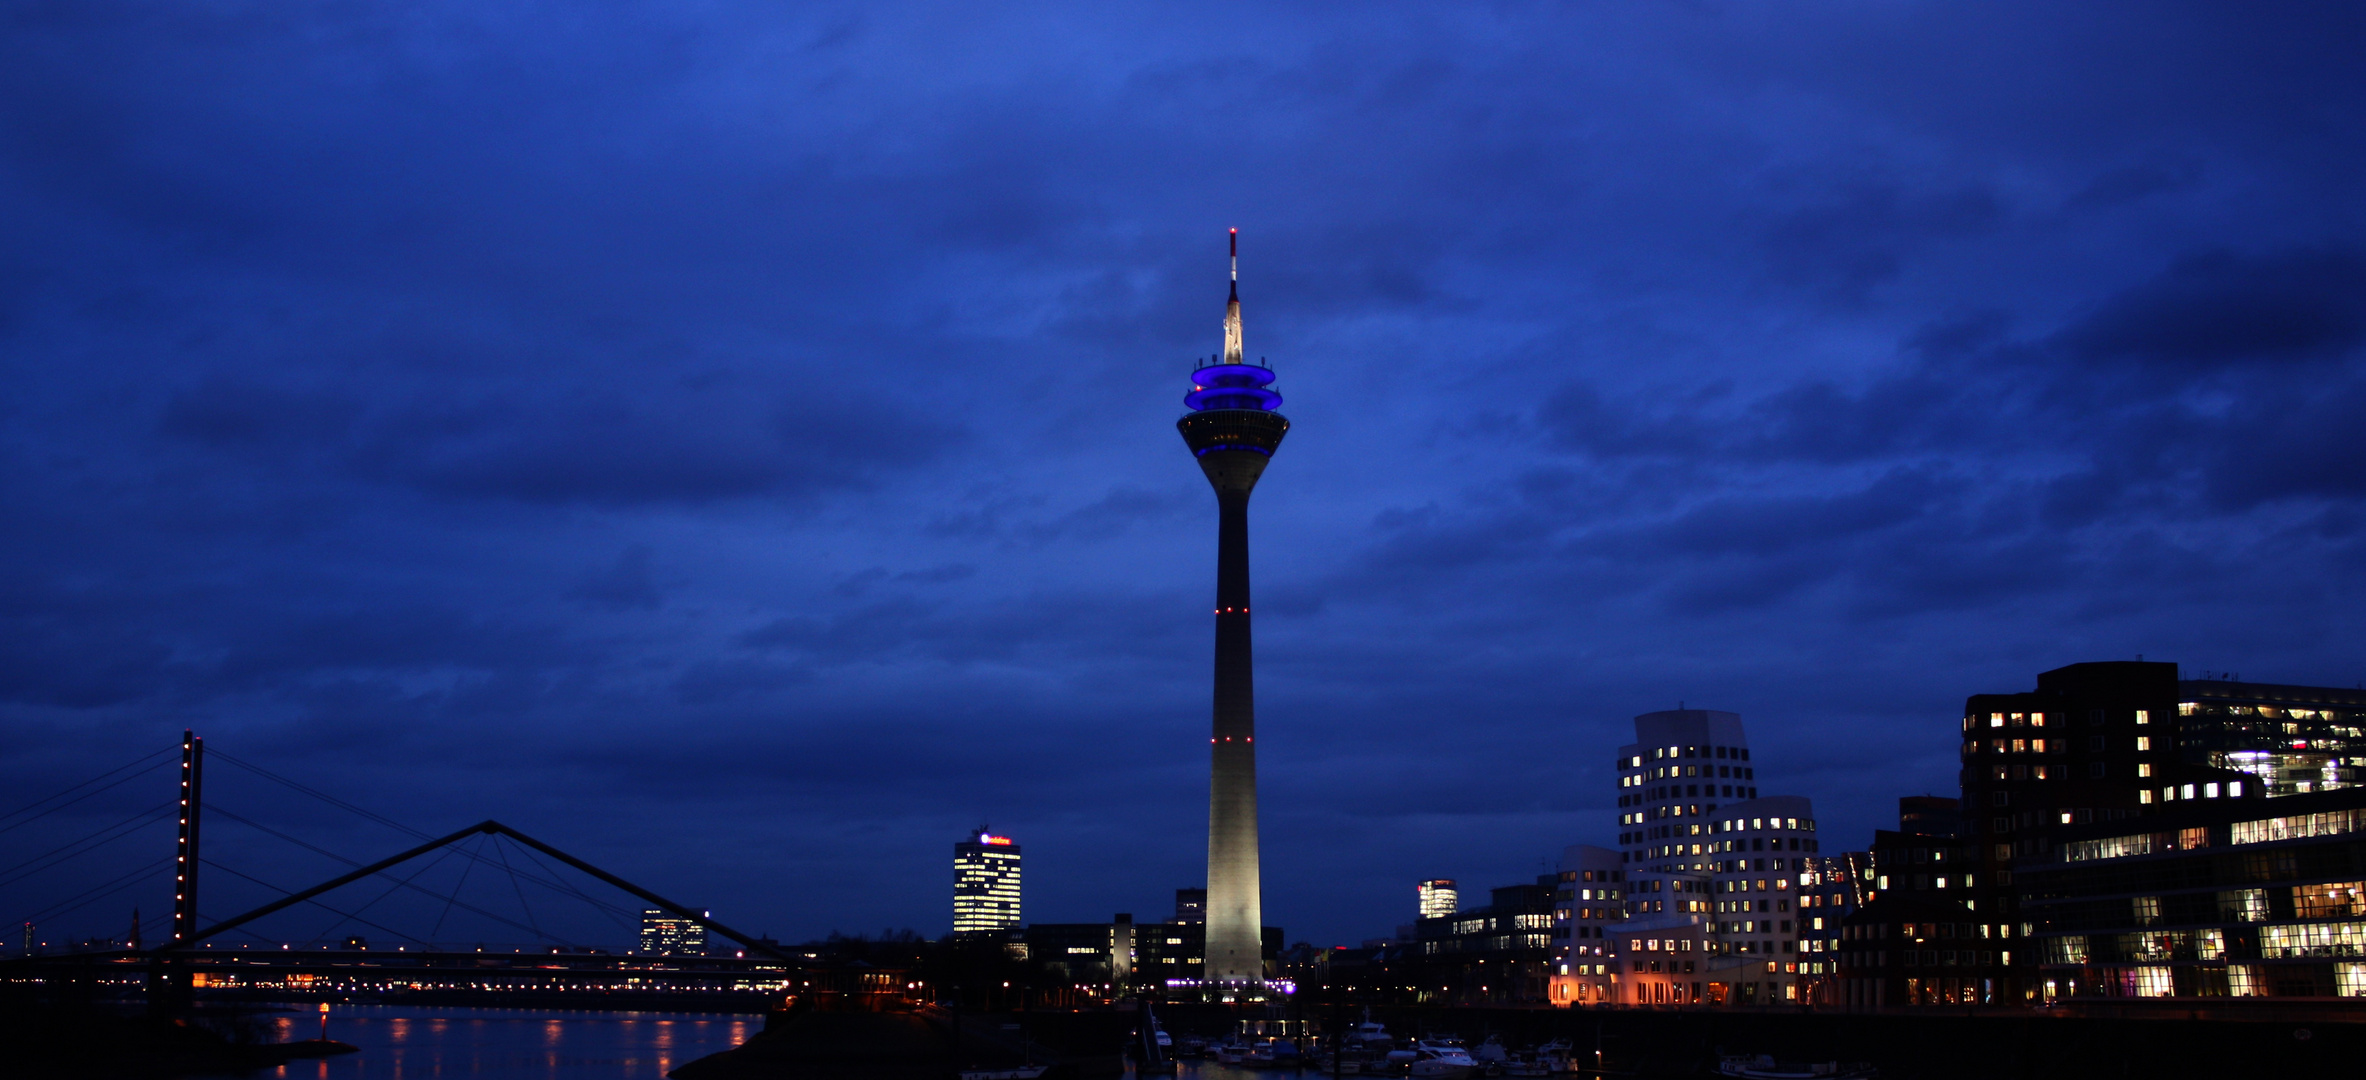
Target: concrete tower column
[{"x": 1233, "y": 431}]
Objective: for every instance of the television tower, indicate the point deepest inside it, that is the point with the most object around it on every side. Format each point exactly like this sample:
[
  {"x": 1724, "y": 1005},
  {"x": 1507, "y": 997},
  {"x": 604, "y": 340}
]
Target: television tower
[{"x": 1233, "y": 430}]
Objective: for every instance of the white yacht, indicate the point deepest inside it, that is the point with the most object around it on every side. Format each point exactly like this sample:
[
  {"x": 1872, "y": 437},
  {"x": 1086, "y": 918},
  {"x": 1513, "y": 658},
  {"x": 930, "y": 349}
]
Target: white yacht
[{"x": 1441, "y": 1059}]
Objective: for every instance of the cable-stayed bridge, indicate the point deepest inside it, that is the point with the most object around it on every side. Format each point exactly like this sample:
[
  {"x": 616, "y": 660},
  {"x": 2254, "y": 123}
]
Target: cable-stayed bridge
[{"x": 376, "y": 945}]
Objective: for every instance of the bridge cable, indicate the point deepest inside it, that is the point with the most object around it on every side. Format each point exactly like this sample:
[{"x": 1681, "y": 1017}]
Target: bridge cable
[
  {"x": 86, "y": 794},
  {"x": 456, "y": 887},
  {"x": 322, "y": 796},
  {"x": 499, "y": 848},
  {"x": 314, "y": 902},
  {"x": 614, "y": 913},
  {"x": 390, "y": 891},
  {"x": 617, "y": 911},
  {"x": 96, "y": 893},
  {"x": 449, "y": 900},
  {"x": 88, "y": 843}
]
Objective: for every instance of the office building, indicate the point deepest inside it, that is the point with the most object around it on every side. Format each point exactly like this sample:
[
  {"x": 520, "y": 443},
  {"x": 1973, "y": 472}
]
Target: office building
[
  {"x": 1682, "y": 765},
  {"x": 1233, "y": 431},
  {"x": 1921, "y": 935},
  {"x": 664, "y": 933},
  {"x": 1831, "y": 889},
  {"x": 1931, "y": 815},
  {"x": 1588, "y": 903},
  {"x": 1191, "y": 907},
  {"x": 1711, "y": 869},
  {"x": 1096, "y": 957},
  {"x": 2109, "y": 741},
  {"x": 1500, "y": 954},
  {"x": 985, "y": 883},
  {"x": 1436, "y": 898},
  {"x": 1759, "y": 853},
  {"x": 2204, "y": 901}
]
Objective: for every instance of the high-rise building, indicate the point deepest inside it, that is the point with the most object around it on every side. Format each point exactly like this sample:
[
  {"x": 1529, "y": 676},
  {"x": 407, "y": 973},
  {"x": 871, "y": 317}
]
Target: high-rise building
[
  {"x": 664, "y": 933},
  {"x": 985, "y": 883},
  {"x": 1682, "y": 764},
  {"x": 1191, "y": 907},
  {"x": 1437, "y": 897},
  {"x": 1711, "y": 868},
  {"x": 1233, "y": 430}
]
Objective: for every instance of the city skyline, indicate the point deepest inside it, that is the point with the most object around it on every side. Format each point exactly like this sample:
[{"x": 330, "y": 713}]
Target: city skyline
[{"x": 743, "y": 463}]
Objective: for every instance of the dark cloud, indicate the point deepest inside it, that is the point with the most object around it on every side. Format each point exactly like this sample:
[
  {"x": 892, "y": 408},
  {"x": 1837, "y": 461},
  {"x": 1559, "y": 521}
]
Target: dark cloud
[
  {"x": 2218, "y": 308},
  {"x": 630, "y": 583}
]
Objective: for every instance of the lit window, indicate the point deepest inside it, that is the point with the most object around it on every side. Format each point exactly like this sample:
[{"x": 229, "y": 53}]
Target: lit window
[
  {"x": 2144, "y": 770},
  {"x": 2143, "y": 742},
  {"x": 2143, "y": 717}
]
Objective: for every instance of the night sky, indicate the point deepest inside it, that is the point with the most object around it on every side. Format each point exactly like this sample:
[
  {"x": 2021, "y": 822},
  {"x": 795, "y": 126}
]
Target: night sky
[{"x": 734, "y": 441}]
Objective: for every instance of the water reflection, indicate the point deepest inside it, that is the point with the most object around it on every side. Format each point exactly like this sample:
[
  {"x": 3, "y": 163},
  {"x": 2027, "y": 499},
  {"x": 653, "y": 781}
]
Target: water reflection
[{"x": 510, "y": 1044}]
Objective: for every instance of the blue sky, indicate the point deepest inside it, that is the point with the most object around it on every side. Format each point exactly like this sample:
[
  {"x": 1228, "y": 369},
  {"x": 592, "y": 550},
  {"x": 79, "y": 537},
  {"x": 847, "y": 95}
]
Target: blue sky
[{"x": 734, "y": 442}]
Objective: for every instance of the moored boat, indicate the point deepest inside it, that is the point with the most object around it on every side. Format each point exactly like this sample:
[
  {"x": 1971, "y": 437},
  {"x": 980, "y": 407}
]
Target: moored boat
[{"x": 1441, "y": 1059}]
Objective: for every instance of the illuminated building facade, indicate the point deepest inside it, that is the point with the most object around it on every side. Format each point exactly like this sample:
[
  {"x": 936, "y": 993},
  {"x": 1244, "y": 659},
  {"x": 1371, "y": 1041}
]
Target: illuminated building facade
[
  {"x": 2103, "y": 742},
  {"x": 1233, "y": 430},
  {"x": 1921, "y": 935},
  {"x": 2205, "y": 901},
  {"x": 1436, "y": 898},
  {"x": 1831, "y": 889},
  {"x": 985, "y": 883},
  {"x": 1710, "y": 871},
  {"x": 2294, "y": 739},
  {"x": 1682, "y": 765},
  {"x": 1759, "y": 851},
  {"x": 664, "y": 933},
  {"x": 1501, "y": 954},
  {"x": 1589, "y": 901}
]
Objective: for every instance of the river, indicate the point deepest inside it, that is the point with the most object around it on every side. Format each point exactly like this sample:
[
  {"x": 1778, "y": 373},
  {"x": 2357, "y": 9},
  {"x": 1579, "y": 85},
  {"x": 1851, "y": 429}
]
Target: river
[{"x": 402, "y": 1042}]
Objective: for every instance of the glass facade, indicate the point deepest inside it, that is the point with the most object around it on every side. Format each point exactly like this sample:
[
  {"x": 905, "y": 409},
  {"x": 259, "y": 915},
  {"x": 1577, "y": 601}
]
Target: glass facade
[
  {"x": 1437, "y": 898},
  {"x": 2295, "y": 739},
  {"x": 985, "y": 884},
  {"x": 664, "y": 933},
  {"x": 2211, "y": 900}
]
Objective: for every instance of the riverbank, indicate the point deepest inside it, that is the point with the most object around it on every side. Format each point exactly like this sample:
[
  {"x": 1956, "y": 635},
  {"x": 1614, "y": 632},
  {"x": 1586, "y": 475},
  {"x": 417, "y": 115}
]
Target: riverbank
[{"x": 87, "y": 1040}]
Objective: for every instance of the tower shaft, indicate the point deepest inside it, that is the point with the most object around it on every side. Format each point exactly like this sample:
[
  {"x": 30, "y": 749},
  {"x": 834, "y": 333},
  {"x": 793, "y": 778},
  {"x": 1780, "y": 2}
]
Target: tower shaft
[{"x": 1235, "y": 912}]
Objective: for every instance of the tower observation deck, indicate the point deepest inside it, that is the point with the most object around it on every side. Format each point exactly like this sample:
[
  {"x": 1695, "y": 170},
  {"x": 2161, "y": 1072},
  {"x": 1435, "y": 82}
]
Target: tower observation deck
[{"x": 1233, "y": 430}]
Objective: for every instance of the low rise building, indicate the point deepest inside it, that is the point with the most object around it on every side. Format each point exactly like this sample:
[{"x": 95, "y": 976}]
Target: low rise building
[
  {"x": 2204, "y": 899},
  {"x": 1501, "y": 954}
]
